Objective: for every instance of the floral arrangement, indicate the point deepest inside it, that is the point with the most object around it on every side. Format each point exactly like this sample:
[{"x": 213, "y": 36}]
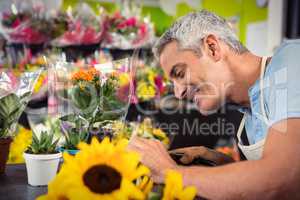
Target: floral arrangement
[
  {"x": 108, "y": 170},
  {"x": 144, "y": 129},
  {"x": 127, "y": 32},
  {"x": 32, "y": 26},
  {"x": 149, "y": 83},
  {"x": 84, "y": 28},
  {"x": 77, "y": 26},
  {"x": 95, "y": 101}
]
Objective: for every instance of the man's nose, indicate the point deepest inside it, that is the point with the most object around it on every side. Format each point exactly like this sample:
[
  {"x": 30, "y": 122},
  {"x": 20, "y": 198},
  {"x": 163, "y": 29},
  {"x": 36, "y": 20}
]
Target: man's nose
[{"x": 180, "y": 91}]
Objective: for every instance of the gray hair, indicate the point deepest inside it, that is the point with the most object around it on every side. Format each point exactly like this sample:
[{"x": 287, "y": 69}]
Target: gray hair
[{"x": 190, "y": 29}]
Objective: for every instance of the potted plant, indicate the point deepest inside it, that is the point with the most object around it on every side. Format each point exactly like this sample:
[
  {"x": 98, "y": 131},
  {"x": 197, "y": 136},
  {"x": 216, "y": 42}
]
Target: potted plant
[
  {"x": 42, "y": 159},
  {"x": 11, "y": 107},
  {"x": 73, "y": 136}
]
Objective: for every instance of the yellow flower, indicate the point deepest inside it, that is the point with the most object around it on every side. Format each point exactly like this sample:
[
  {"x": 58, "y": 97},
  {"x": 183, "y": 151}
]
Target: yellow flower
[
  {"x": 159, "y": 133},
  {"x": 120, "y": 131},
  {"x": 39, "y": 83},
  {"x": 174, "y": 189},
  {"x": 19, "y": 145},
  {"x": 161, "y": 136},
  {"x": 40, "y": 61},
  {"x": 99, "y": 171},
  {"x": 123, "y": 79},
  {"x": 146, "y": 185},
  {"x": 151, "y": 75},
  {"x": 145, "y": 91}
]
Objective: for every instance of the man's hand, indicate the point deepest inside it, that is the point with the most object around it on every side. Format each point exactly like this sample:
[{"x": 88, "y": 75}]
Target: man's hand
[
  {"x": 189, "y": 154},
  {"x": 154, "y": 155}
]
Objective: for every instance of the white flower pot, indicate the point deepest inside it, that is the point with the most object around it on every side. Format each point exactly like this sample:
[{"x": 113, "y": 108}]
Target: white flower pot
[{"x": 41, "y": 168}]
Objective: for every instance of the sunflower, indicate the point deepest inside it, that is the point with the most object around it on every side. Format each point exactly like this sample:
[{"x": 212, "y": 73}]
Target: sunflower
[
  {"x": 19, "y": 145},
  {"x": 174, "y": 188},
  {"x": 99, "y": 171},
  {"x": 146, "y": 185}
]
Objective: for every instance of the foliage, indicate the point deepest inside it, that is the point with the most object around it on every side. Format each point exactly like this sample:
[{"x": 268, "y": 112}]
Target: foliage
[
  {"x": 11, "y": 107},
  {"x": 45, "y": 144}
]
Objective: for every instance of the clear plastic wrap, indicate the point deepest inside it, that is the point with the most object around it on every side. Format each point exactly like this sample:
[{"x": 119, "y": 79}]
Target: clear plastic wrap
[
  {"x": 89, "y": 97},
  {"x": 15, "y": 92}
]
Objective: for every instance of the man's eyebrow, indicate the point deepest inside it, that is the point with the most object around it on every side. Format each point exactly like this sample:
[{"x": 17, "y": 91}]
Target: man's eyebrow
[{"x": 174, "y": 69}]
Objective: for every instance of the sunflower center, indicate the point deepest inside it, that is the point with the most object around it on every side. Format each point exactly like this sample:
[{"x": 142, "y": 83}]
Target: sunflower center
[{"x": 102, "y": 179}]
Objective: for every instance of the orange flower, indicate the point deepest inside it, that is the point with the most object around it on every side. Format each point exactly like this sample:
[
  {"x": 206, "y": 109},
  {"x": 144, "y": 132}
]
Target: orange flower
[{"x": 85, "y": 75}]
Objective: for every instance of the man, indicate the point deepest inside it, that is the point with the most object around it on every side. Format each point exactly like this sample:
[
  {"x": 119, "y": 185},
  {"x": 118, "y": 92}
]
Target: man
[{"x": 202, "y": 56}]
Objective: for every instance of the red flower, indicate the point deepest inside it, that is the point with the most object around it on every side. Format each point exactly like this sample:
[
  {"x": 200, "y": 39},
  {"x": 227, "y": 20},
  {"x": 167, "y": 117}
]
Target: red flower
[{"x": 122, "y": 25}]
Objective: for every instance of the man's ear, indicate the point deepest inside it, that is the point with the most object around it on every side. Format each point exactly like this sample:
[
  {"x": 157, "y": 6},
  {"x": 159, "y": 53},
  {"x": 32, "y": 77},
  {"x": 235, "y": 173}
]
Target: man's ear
[{"x": 212, "y": 47}]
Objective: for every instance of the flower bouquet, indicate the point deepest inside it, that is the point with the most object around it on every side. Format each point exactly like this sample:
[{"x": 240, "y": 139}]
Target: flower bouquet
[
  {"x": 89, "y": 97},
  {"x": 144, "y": 129},
  {"x": 150, "y": 83},
  {"x": 84, "y": 28},
  {"x": 108, "y": 170},
  {"x": 128, "y": 32},
  {"x": 31, "y": 26},
  {"x": 14, "y": 96}
]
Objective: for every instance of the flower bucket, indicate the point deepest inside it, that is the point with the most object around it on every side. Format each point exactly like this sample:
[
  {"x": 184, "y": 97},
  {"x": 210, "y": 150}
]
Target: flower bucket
[
  {"x": 41, "y": 168},
  {"x": 4, "y": 150}
]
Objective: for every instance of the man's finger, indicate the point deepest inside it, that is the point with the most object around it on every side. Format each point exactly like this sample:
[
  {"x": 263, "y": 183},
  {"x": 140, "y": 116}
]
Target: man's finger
[{"x": 178, "y": 151}]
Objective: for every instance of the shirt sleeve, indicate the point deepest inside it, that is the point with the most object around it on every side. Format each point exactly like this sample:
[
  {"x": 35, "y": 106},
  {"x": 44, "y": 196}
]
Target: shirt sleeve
[{"x": 282, "y": 97}]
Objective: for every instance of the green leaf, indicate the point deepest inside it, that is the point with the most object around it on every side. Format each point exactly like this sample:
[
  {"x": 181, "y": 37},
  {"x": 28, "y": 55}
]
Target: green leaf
[
  {"x": 69, "y": 118},
  {"x": 44, "y": 144},
  {"x": 9, "y": 104},
  {"x": 81, "y": 97}
]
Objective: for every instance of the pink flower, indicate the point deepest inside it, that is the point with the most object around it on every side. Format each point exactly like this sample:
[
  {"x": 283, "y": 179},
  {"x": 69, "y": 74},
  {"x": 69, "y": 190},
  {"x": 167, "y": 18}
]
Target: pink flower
[
  {"x": 16, "y": 23},
  {"x": 89, "y": 36},
  {"x": 159, "y": 84},
  {"x": 131, "y": 22},
  {"x": 134, "y": 99},
  {"x": 143, "y": 29}
]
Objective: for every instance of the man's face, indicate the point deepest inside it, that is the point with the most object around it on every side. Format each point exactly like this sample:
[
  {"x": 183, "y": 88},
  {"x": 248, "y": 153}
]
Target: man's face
[{"x": 201, "y": 78}]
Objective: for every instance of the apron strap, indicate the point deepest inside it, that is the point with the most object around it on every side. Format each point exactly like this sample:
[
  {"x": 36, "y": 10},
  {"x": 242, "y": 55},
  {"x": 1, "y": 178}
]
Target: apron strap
[{"x": 262, "y": 107}]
